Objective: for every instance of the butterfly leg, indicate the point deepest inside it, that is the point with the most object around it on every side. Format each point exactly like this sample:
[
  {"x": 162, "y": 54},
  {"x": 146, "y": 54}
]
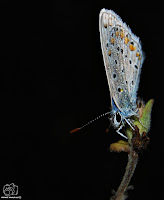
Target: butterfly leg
[
  {"x": 118, "y": 131},
  {"x": 130, "y": 123}
]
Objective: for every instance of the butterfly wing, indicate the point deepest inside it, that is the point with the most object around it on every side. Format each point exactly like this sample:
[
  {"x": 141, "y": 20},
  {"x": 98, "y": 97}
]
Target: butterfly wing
[{"x": 123, "y": 60}]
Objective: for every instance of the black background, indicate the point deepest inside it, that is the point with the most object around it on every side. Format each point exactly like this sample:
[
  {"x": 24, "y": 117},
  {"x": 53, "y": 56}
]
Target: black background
[{"x": 52, "y": 81}]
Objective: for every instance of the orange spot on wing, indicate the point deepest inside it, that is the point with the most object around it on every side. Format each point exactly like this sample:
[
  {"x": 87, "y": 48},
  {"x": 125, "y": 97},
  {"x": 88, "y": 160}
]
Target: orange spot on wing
[
  {"x": 122, "y": 34},
  {"x": 112, "y": 40},
  {"x": 109, "y": 53},
  {"x": 137, "y": 54},
  {"x": 117, "y": 33},
  {"x": 132, "y": 47},
  {"x": 126, "y": 40},
  {"x": 110, "y": 21}
]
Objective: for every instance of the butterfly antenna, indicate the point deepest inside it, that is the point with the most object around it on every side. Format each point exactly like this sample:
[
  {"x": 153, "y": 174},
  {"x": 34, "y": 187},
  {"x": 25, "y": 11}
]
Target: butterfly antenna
[{"x": 77, "y": 129}]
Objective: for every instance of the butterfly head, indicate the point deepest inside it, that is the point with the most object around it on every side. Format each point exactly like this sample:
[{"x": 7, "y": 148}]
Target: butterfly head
[{"x": 117, "y": 119}]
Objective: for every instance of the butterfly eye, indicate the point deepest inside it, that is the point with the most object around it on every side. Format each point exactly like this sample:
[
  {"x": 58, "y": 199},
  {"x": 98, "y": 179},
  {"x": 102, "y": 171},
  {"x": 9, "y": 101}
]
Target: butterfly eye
[{"x": 117, "y": 119}]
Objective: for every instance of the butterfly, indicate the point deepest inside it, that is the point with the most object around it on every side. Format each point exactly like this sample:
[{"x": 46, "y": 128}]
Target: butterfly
[{"x": 123, "y": 59}]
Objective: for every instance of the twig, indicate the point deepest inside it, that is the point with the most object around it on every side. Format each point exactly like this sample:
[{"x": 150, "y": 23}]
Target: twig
[
  {"x": 137, "y": 141},
  {"x": 131, "y": 165}
]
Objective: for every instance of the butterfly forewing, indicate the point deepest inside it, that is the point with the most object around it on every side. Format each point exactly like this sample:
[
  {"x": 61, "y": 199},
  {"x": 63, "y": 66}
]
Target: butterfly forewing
[{"x": 123, "y": 60}]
